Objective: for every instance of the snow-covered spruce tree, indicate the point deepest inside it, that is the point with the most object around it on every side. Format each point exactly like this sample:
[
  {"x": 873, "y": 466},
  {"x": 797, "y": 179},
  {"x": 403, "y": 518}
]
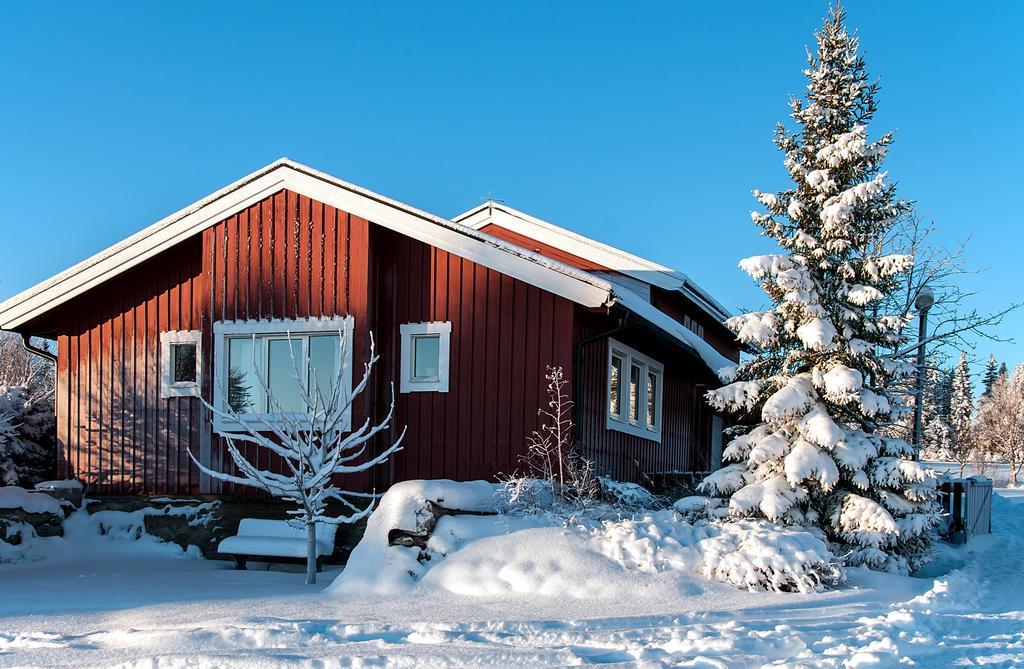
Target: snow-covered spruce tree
[
  {"x": 935, "y": 413},
  {"x": 315, "y": 444},
  {"x": 27, "y": 429},
  {"x": 990, "y": 375},
  {"x": 819, "y": 387},
  {"x": 961, "y": 446}
]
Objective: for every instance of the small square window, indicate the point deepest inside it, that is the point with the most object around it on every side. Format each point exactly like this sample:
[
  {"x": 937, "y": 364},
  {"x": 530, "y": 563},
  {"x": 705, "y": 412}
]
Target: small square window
[
  {"x": 184, "y": 361},
  {"x": 180, "y": 363},
  {"x": 425, "y": 349}
]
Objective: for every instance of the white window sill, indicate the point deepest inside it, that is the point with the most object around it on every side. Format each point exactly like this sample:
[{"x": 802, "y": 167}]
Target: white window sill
[
  {"x": 635, "y": 430},
  {"x": 262, "y": 422}
]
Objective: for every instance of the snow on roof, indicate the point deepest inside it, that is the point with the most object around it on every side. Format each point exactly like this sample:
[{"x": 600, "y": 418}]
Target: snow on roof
[
  {"x": 461, "y": 237},
  {"x": 614, "y": 258},
  {"x": 636, "y": 304},
  {"x": 576, "y": 285}
]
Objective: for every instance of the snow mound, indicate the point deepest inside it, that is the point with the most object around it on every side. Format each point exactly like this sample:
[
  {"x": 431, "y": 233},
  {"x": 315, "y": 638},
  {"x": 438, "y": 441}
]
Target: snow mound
[
  {"x": 13, "y": 497},
  {"x": 376, "y": 567},
  {"x": 502, "y": 556}
]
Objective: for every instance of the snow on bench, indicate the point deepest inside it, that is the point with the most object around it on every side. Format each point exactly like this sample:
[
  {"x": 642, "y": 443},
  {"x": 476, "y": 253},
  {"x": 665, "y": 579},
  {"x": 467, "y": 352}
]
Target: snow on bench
[{"x": 261, "y": 538}]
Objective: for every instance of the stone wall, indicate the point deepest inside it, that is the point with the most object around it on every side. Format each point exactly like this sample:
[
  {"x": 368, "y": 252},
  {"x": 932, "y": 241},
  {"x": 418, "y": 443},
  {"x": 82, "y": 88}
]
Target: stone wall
[{"x": 205, "y": 520}]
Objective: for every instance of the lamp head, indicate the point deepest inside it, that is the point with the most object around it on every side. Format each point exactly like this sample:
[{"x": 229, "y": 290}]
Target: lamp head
[{"x": 925, "y": 299}]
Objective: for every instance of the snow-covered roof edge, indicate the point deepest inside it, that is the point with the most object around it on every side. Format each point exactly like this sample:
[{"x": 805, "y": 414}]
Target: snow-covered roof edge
[
  {"x": 593, "y": 250},
  {"x": 637, "y": 305},
  {"x": 536, "y": 269}
]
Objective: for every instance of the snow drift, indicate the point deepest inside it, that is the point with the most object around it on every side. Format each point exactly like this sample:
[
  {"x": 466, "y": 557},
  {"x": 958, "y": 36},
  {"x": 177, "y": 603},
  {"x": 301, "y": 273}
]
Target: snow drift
[{"x": 496, "y": 555}]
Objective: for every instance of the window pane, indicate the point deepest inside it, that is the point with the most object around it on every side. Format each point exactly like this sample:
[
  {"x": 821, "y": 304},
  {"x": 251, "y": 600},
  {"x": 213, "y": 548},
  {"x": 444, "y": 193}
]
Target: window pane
[
  {"x": 284, "y": 387},
  {"x": 634, "y": 393},
  {"x": 324, "y": 354},
  {"x": 652, "y": 399},
  {"x": 242, "y": 381},
  {"x": 614, "y": 385},
  {"x": 183, "y": 358},
  {"x": 426, "y": 352}
]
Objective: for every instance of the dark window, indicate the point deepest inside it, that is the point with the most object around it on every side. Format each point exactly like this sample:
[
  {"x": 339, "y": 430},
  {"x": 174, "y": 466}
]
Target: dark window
[{"x": 183, "y": 357}]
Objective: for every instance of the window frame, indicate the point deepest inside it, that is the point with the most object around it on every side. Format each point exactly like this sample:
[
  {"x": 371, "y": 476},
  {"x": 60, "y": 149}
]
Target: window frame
[
  {"x": 168, "y": 386},
  {"x": 621, "y": 422},
  {"x": 264, "y": 331},
  {"x": 408, "y": 383}
]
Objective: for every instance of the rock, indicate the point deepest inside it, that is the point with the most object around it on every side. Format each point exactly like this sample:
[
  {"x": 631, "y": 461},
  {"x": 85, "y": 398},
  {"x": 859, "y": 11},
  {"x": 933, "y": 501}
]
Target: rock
[{"x": 44, "y": 524}]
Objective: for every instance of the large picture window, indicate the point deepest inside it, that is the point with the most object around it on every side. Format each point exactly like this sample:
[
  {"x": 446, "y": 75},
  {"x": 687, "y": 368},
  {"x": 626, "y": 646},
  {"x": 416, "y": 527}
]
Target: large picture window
[
  {"x": 634, "y": 392},
  {"x": 290, "y": 356}
]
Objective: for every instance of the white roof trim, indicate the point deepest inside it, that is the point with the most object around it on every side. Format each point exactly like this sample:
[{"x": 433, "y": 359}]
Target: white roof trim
[
  {"x": 594, "y": 251},
  {"x": 636, "y": 304},
  {"x": 576, "y": 285}
]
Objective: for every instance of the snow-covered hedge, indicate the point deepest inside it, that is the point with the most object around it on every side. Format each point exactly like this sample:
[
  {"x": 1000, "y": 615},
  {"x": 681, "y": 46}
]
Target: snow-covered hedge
[
  {"x": 499, "y": 555},
  {"x": 27, "y": 432}
]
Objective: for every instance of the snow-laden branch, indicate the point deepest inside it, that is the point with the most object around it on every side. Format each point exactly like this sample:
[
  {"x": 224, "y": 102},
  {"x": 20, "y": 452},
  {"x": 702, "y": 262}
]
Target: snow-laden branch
[{"x": 315, "y": 444}]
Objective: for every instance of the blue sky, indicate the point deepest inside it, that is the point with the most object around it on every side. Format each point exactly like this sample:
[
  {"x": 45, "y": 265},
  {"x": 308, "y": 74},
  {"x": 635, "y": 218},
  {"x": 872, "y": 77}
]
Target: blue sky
[{"x": 644, "y": 125}]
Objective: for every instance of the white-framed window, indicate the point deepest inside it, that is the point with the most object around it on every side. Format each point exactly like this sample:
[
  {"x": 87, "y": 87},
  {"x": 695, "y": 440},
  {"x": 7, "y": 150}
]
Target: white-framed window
[
  {"x": 275, "y": 350},
  {"x": 425, "y": 350},
  {"x": 693, "y": 326},
  {"x": 635, "y": 392},
  {"x": 180, "y": 363}
]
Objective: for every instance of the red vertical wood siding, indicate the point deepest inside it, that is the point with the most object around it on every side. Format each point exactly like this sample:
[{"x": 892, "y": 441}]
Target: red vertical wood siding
[
  {"x": 686, "y": 420},
  {"x": 116, "y": 432},
  {"x": 504, "y": 334},
  {"x": 291, "y": 257},
  {"x": 544, "y": 249}
]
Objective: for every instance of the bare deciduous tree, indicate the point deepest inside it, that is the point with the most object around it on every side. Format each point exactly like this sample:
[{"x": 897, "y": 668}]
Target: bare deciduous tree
[
  {"x": 1000, "y": 423},
  {"x": 315, "y": 444}
]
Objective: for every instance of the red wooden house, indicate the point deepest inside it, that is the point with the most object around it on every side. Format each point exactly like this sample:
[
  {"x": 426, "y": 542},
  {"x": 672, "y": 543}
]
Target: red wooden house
[{"x": 467, "y": 314}]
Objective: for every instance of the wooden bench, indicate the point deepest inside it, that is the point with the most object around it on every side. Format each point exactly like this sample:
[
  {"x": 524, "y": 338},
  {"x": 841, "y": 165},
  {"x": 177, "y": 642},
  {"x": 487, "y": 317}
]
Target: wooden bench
[{"x": 258, "y": 538}]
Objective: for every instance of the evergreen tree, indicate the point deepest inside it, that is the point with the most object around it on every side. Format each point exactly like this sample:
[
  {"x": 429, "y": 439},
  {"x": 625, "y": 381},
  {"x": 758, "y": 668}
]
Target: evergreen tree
[
  {"x": 935, "y": 413},
  {"x": 961, "y": 412},
  {"x": 819, "y": 389},
  {"x": 990, "y": 375},
  {"x": 1002, "y": 370},
  {"x": 961, "y": 402}
]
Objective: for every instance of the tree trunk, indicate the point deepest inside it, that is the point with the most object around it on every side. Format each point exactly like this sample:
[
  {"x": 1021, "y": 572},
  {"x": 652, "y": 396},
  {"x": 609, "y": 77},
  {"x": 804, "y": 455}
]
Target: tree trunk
[{"x": 310, "y": 552}]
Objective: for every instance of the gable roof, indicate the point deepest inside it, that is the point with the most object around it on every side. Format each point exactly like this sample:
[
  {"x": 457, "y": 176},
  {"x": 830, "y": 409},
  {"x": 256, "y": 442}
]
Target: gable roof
[
  {"x": 623, "y": 262},
  {"x": 575, "y": 285},
  {"x": 582, "y": 287}
]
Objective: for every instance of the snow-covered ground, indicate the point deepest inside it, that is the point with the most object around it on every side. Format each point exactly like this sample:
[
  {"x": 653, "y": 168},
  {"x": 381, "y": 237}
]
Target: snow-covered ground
[
  {"x": 98, "y": 602},
  {"x": 999, "y": 472}
]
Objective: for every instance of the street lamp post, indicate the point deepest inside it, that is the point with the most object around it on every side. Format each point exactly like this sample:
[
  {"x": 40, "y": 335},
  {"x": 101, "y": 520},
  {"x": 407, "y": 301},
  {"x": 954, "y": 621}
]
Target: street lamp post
[{"x": 924, "y": 301}]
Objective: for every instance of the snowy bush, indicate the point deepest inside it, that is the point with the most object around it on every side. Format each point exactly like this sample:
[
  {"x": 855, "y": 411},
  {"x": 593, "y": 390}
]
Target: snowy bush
[
  {"x": 554, "y": 477},
  {"x": 627, "y": 496},
  {"x": 487, "y": 554},
  {"x": 27, "y": 435},
  {"x": 819, "y": 390}
]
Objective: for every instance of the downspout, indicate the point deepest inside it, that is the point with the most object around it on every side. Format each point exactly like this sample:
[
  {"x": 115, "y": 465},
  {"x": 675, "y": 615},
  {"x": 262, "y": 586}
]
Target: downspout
[
  {"x": 577, "y": 377},
  {"x": 27, "y": 343}
]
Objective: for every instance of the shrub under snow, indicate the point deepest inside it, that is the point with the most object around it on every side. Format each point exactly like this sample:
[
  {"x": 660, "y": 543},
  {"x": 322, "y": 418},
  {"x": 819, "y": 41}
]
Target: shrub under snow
[
  {"x": 27, "y": 430},
  {"x": 497, "y": 555}
]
